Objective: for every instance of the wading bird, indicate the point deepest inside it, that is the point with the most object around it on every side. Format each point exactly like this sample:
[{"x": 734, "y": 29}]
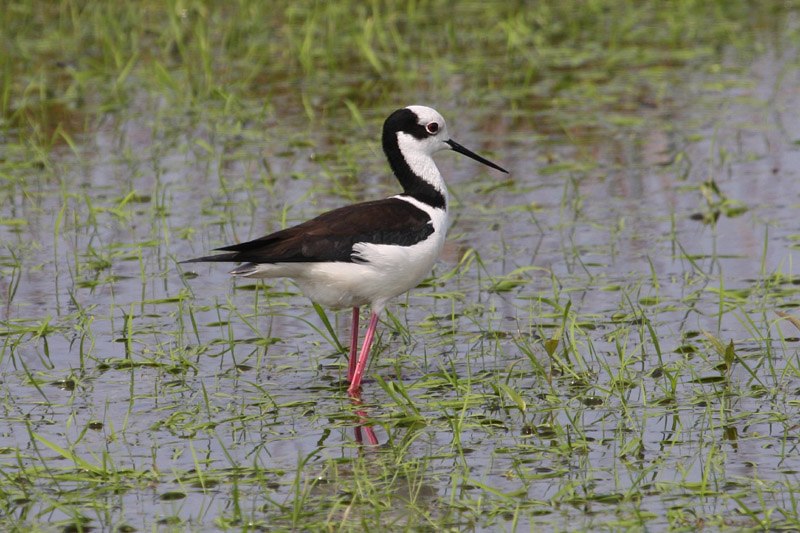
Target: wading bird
[{"x": 370, "y": 252}]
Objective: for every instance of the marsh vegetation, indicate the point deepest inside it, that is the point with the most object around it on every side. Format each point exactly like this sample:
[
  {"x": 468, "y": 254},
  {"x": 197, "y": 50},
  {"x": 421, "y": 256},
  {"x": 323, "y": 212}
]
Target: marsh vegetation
[{"x": 610, "y": 340}]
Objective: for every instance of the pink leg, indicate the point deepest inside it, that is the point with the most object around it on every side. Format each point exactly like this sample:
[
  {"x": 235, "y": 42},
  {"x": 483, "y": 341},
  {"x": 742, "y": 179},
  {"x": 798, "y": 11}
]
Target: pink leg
[
  {"x": 351, "y": 369},
  {"x": 355, "y": 383}
]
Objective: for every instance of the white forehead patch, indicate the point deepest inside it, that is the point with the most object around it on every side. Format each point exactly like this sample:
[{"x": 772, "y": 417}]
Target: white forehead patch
[{"x": 427, "y": 115}]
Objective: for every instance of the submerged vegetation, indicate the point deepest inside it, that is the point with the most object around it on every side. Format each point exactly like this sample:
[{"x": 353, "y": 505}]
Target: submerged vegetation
[{"x": 609, "y": 342}]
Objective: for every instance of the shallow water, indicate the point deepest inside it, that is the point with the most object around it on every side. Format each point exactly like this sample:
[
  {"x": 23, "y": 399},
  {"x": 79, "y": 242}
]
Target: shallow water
[{"x": 611, "y": 219}]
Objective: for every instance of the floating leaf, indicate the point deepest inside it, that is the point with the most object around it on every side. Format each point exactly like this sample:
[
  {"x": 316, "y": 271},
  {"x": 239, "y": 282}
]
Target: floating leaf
[
  {"x": 550, "y": 346},
  {"x": 730, "y": 356},
  {"x": 718, "y": 345},
  {"x": 514, "y": 396}
]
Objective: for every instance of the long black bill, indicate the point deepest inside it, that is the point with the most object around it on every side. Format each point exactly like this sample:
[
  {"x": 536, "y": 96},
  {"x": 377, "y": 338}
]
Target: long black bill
[{"x": 461, "y": 150}]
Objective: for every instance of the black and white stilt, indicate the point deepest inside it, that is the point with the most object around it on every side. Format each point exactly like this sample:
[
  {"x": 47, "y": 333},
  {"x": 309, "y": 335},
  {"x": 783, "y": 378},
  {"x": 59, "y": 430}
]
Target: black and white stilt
[{"x": 367, "y": 253}]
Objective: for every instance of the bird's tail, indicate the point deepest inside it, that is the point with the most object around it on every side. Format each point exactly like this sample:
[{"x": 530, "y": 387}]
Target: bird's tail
[
  {"x": 246, "y": 270},
  {"x": 219, "y": 258}
]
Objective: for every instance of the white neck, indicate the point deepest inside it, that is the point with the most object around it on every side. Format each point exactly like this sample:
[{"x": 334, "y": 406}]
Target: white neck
[{"x": 421, "y": 163}]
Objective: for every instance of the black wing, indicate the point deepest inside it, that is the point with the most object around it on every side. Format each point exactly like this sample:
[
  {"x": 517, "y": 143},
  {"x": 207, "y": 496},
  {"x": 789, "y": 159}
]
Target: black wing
[{"x": 331, "y": 235}]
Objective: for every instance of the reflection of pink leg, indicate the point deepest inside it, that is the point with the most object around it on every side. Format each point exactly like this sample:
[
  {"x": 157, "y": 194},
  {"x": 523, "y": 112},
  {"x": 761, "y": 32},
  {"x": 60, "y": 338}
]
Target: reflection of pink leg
[
  {"x": 371, "y": 435},
  {"x": 362, "y": 421},
  {"x": 351, "y": 369},
  {"x": 355, "y": 383}
]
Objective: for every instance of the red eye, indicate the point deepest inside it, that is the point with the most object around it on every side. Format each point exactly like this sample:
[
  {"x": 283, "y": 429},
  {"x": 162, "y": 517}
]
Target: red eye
[{"x": 432, "y": 128}]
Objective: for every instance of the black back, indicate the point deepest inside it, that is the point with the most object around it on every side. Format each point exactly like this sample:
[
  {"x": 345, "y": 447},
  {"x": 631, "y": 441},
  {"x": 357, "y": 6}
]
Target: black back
[{"x": 331, "y": 235}]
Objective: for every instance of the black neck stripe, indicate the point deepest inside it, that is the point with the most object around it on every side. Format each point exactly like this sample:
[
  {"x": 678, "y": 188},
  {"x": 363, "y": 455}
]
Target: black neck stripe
[{"x": 404, "y": 120}]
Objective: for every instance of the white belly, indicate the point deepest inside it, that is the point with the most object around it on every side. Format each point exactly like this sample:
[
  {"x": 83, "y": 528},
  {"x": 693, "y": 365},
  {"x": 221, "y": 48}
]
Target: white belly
[{"x": 388, "y": 271}]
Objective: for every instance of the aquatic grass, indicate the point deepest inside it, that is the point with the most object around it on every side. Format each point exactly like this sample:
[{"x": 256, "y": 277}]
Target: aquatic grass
[{"x": 570, "y": 368}]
